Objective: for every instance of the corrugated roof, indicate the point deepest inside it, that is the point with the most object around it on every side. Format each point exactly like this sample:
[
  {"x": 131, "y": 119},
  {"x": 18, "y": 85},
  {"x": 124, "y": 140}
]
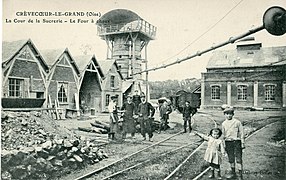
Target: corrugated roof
[
  {"x": 10, "y": 48},
  {"x": 248, "y": 58}
]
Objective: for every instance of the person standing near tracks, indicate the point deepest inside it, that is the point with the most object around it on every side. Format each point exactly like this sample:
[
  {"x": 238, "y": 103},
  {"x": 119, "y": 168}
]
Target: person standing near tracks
[
  {"x": 146, "y": 112},
  {"x": 188, "y": 112},
  {"x": 214, "y": 151},
  {"x": 128, "y": 120},
  {"x": 165, "y": 110},
  {"x": 112, "y": 108},
  {"x": 136, "y": 100},
  {"x": 233, "y": 134}
]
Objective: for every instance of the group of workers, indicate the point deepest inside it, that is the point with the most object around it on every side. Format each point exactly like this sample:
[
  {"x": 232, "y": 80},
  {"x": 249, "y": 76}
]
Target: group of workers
[{"x": 137, "y": 108}]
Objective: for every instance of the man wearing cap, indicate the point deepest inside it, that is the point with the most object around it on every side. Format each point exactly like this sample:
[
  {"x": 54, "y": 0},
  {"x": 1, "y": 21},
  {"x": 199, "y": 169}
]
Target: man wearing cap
[
  {"x": 112, "y": 108},
  {"x": 146, "y": 112},
  {"x": 233, "y": 134},
  {"x": 128, "y": 120}
]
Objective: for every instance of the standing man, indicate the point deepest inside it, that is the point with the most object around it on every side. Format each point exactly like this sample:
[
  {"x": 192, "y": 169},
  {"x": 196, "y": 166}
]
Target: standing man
[
  {"x": 165, "y": 110},
  {"x": 128, "y": 120},
  {"x": 146, "y": 112},
  {"x": 136, "y": 100},
  {"x": 112, "y": 108},
  {"x": 188, "y": 112}
]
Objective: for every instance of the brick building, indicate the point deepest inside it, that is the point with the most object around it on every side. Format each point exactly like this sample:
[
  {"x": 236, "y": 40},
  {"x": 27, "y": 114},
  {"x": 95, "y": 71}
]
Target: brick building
[
  {"x": 90, "y": 83},
  {"x": 63, "y": 79},
  {"x": 24, "y": 73},
  {"x": 250, "y": 76}
]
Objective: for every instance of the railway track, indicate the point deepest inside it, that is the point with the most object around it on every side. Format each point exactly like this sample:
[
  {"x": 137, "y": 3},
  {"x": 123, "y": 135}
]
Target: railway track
[
  {"x": 203, "y": 173},
  {"x": 173, "y": 148},
  {"x": 131, "y": 164}
]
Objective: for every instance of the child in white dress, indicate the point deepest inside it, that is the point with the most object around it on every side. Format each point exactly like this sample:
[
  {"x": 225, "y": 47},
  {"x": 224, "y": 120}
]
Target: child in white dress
[{"x": 214, "y": 151}]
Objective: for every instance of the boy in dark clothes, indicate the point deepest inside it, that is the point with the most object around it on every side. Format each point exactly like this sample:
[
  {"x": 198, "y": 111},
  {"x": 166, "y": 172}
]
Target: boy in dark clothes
[
  {"x": 188, "y": 112},
  {"x": 146, "y": 112}
]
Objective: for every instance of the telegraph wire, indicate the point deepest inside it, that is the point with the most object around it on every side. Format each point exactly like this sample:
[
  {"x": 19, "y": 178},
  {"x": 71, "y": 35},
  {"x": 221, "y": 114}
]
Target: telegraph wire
[
  {"x": 195, "y": 40},
  {"x": 199, "y": 53}
]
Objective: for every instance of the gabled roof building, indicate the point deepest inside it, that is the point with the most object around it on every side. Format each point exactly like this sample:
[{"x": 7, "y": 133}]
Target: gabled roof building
[
  {"x": 24, "y": 73},
  {"x": 63, "y": 79},
  {"x": 111, "y": 83},
  {"x": 90, "y": 84}
]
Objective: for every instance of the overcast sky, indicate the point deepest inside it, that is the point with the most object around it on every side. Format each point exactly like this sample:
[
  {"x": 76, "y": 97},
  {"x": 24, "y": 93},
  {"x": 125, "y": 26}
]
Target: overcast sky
[{"x": 178, "y": 24}]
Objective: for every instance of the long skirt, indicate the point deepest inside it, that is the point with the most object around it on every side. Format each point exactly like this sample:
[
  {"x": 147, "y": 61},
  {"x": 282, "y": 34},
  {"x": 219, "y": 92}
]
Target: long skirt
[
  {"x": 128, "y": 125},
  {"x": 114, "y": 124}
]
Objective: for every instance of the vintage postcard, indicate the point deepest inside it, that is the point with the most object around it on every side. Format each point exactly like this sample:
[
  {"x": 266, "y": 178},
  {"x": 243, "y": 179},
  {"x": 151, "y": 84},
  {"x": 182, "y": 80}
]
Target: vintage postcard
[{"x": 126, "y": 89}]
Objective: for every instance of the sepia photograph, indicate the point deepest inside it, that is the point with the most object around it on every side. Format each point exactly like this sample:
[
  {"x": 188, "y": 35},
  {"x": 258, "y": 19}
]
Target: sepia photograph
[{"x": 130, "y": 89}]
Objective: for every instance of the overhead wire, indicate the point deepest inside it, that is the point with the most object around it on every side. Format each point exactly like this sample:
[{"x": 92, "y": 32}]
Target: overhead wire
[{"x": 195, "y": 40}]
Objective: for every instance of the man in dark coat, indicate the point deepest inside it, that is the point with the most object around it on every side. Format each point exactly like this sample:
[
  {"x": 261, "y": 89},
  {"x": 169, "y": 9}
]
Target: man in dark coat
[
  {"x": 136, "y": 100},
  {"x": 188, "y": 112},
  {"x": 146, "y": 112},
  {"x": 128, "y": 120}
]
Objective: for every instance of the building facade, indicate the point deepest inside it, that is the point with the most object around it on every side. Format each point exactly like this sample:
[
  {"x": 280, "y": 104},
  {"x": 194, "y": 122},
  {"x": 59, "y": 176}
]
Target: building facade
[
  {"x": 24, "y": 73},
  {"x": 90, "y": 84},
  {"x": 111, "y": 83},
  {"x": 250, "y": 76},
  {"x": 63, "y": 79}
]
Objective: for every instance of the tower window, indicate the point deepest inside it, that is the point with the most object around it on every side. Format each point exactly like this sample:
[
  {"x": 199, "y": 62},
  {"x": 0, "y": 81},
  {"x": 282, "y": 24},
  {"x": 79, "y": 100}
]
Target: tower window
[{"x": 112, "y": 81}]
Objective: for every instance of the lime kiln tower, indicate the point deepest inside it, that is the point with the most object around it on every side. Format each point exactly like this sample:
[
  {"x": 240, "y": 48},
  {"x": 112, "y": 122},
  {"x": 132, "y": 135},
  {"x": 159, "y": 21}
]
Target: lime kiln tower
[{"x": 127, "y": 36}]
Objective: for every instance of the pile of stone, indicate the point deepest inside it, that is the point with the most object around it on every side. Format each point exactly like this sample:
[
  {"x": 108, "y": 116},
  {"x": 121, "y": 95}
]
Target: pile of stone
[{"x": 34, "y": 147}]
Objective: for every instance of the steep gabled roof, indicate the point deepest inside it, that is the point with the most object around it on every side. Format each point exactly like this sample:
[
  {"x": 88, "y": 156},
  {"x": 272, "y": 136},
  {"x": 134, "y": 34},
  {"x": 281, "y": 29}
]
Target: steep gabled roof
[
  {"x": 83, "y": 62},
  {"x": 52, "y": 57},
  {"x": 267, "y": 56},
  {"x": 106, "y": 65},
  {"x": 11, "y": 49}
]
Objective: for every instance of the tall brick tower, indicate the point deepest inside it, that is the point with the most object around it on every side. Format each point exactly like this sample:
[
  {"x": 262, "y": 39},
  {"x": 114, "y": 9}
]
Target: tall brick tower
[{"x": 127, "y": 36}]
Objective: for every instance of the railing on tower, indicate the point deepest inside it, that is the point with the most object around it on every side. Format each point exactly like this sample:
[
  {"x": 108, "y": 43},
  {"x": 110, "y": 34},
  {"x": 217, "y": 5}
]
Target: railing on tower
[{"x": 138, "y": 25}]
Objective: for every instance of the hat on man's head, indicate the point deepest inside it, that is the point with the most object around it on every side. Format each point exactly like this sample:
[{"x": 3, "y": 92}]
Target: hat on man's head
[
  {"x": 228, "y": 109},
  {"x": 113, "y": 97},
  {"x": 142, "y": 95},
  {"x": 129, "y": 96}
]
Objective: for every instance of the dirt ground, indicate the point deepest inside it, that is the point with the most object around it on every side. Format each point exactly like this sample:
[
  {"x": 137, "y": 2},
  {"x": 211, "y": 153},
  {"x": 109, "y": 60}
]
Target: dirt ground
[{"x": 261, "y": 155}]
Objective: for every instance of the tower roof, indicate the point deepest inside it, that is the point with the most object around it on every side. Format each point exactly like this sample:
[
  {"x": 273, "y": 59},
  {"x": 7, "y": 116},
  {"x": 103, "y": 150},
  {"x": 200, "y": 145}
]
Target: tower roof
[{"x": 117, "y": 16}]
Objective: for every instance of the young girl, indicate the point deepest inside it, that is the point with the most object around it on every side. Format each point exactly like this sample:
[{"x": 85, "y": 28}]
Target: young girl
[{"x": 214, "y": 150}]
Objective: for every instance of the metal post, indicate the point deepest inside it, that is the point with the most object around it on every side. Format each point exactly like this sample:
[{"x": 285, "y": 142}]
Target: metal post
[{"x": 146, "y": 66}]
